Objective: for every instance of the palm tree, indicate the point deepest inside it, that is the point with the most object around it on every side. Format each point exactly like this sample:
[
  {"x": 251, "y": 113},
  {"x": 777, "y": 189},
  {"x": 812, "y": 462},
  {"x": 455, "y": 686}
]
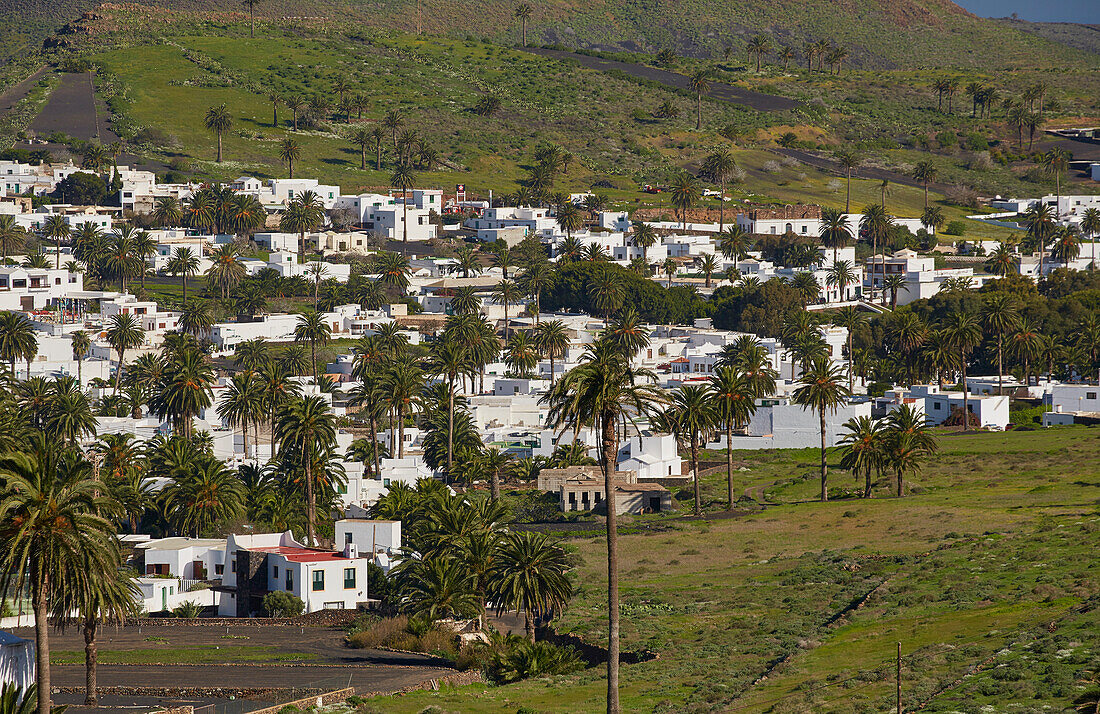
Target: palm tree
[
  {"x": 720, "y": 167},
  {"x": 124, "y": 332},
  {"x": 606, "y": 292},
  {"x": 251, "y": 5},
  {"x": 450, "y": 359},
  {"x": 523, "y": 14},
  {"x": 1002, "y": 261},
  {"x": 907, "y": 440},
  {"x": 404, "y": 179},
  {"x": 11, "y": 236},
  {"x": 304, "y": 213},
  {"x": 520, "y": 354},
  {"x": 708, "y": 264},
  {"x": 835, "y": 230},
  {"x": 841, "y": 274},
  {"x": 53, "y": 536},
  {"x": 1025, "y": 344},
  {"x": 893, "y": 284},
  {"x": 227, "y": 270},
  {"x": 243, "y": 403},
  {"x": 699, "y": 82},
  {"x": 17, "y": 338},
  {"x": 56, "y": 228},
  {"x": 643, "y": 236},
  {"x": 183, "y": 262},
  {"x": 669, "y": 267},
  {"x": 107, "y": 598},
  {"x": 528, "y": 575},
  {"x": 144, "y": 247},
  {"x": 362, "y": 137},
  {"x": 604, "y": 390},
  {"x": 850, "y": 318},
  {"x": 306, "y": 427},
  {"x": 848, "y": 160},
  {"x": 552, "y": 340},
  {"x": 196, "y": 319},
  {"x": 962, "y": 333},
  {"x": 759, "y": 45},
  {"x": 185, "y": 390},
  {"x": 402, "y": 383},
  {"x": 863, "y": 449},
  {"x": 218, "y": 121},
  {"x": 205, "y": 494},
  {"x": 1067, "y": 245},
  {"x": 821, "y": 388},
  {"x": 1041, "y": 223},
  {"x": 685, "y": 194},
  {"x": 734, "y": 243},
  {"x": 569, "y": 218},
  {"x": 313, "y": 329},
  {"x": 506, "y": 292},
  {"x": 734, "y": 400},
  {"x": 289, "y": 152},
  {"x": 925, "y": 172},
  {"x": 295, "y": 104},
  {"x": 1090, "y": 226},
  {"x": 1056, "y": 161},
  {"x": 81, "y": 345}
]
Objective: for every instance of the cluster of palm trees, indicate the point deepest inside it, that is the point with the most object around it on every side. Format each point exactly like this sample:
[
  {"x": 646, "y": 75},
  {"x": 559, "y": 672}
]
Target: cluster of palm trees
[
  {"x": 461, "y": 557},
  {"x": 1043, "y": 233},
  {"x": 824, "y": 51}
]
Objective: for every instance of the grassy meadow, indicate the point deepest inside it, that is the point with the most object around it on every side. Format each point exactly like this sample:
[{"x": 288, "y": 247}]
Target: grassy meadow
[{"x": 984, "y": 573}]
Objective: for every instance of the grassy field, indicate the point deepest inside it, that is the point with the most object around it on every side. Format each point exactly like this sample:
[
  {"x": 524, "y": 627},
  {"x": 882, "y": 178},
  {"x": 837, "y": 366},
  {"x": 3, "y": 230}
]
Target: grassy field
[{"x": 985, "y": 569}]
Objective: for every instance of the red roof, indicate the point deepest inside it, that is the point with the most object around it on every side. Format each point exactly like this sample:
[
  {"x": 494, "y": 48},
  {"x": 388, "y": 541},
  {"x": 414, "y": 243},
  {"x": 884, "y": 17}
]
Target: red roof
[{"x": 301, "y": 555}]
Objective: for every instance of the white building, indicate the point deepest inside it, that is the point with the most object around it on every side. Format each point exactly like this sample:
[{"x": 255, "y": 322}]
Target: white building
[
  {"x": 922, "y": 279},
  {"x": 386, "y": 216},
  {"x": 188, "y": 558},
  {"x": 29, "y": 289},
  {"x": 779, "y": 424},
  {"x": 937, "y": 406}
]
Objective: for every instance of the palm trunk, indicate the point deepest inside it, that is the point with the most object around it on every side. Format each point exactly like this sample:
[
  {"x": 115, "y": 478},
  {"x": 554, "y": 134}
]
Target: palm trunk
[
  {"x": 966, "y": 398},
  {"x": 451, "y": 430},
  {"x": 374, "y": 438},
  {"x": 901, "y": 481},
  {"x": 528, "y": 626},
  {"x": 851, "y": 373},
  {"x": 91, "y": 659},
  {"x": 244, "y": 425},
  {"x": 494, "y": 485},
  {"x": 311, "y": 507},
  {"x": 695, "y": 471},
  {"x": 80, "y": 372},
  {"x": 848, "y": 197},
  {"x": 313, "y": 353},
  {"x": 41, "y": 640},
  {"x": 729, "y": 461},
  {"x": 722, "y": 208},
  {"x": 824, "y": 462},
  {"x": 867, "y": 485},
  {"x": 610, "y": 451},
  {"x": 400, "y": 433},
  {"x": 405, "y": 221},
  {"x": 220, "y": 148},
  {"x": 118, "y": 372},
  {"x": 185, "y": 289},
  {"x": 1000, "y": 365}
]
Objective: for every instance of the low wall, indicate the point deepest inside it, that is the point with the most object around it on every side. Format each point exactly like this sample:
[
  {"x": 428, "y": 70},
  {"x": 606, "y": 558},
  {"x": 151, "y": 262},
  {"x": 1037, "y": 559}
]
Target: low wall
[{"x": 320, "y": 618}]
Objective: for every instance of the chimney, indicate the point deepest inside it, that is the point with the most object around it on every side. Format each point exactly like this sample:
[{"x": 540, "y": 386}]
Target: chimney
[{"x": 350, "y": 551}]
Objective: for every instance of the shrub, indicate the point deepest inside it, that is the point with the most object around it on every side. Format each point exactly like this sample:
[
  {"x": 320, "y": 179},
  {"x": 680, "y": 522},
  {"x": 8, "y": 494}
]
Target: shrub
[
  {"x": 283, "y": 604},
  {"x": 955, "y": 228},
  {"x": 188, "y": 610},
  {"x": 531, "y": 659}
]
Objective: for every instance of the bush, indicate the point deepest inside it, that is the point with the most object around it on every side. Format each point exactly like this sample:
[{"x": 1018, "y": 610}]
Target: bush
[
  {"x": 188, "y": 610},
  {"x": 524, "y": 660},
  {"x": 955, "y": 228},
  {"x": 81, "y": 189},
  {"x": 283, "y": 604},
  {"x": 403, "y": 633}
]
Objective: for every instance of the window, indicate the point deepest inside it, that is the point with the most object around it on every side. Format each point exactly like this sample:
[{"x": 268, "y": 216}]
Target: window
[
  {"x": 1090, "y": 395},
  {"x": 937, "y": 405},
  {"x": 347, "y": 538},
  {"x": 289, "y": 580},
  {"x": 275, "y": 572},
  {"x": 349, "y": 579},
  {"x": 233, "y": 567},
  {"x": 318, "y": 580}
]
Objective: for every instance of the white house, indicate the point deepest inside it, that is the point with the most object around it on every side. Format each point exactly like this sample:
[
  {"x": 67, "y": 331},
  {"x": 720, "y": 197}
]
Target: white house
[
  {"x": 188, "y": 558},
  {"x": 937, "y": 406},
  {"x": 922, "y": 279},
  {"x": 1074, "y": 398},
  {"x": 29, "y": 289},
  {"x": 369, "y": 536},
  {"x": 779, "y": 424}
]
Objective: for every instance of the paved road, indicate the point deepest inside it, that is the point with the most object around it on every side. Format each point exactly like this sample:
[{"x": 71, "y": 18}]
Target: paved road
[
  {"x": 718, "y": 90},
  {"x": 378, "y": 678},
  {"x": 74, "y": 110},
  {"x": 13, "y": 95}
]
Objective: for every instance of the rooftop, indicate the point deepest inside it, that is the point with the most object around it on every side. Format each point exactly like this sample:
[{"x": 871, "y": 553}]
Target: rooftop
[{"x": 301, "y": 555}]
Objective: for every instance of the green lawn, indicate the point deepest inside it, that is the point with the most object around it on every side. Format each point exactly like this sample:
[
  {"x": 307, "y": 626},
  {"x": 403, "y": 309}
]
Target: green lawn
[{"x": 990, "y": 556}]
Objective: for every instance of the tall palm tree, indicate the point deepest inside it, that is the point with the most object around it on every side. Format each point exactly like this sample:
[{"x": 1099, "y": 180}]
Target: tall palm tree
[
  {"x": 1090, "y": 226},
  {"x": 506, "y": 292},
  {"x": 1041, "y": 223},
  {"x": 17, "y": 338},
  {"x": 758, "y": 45},
  {"x": 848, "y": 160},
  {"x": 606, "y": 292},
  {"x": 56, "y": 228},
  {"x": 196, "y": 319},
  {"x": 1056, "y": 161},
  {"x": 841, "y": 274},
  {"x": 850, "y": 318},
  {"x": 450, "y": 359},
  {"x": 305, "y": 426},
  {"x": 183, "y": 263},
  {"x": 835, "y": 230},
  {"x": 289, "y": 152},
  {"x": 403, "y": 179},
  {"x": 925, "y": 172},
  {"x": 1067, "y": 245},
  {"x": 863, "y": 449},
  {"x": 699, "y": 82},
  {"x": 54, "y": 533},
  {"x": 821, "y": 388},
  {"x": 12, "y": 236},
  {"x": 528, "y": 575},
  {"x": 893, "y": 284},
  {"x": 304, "y": 213},
  {"x": 1002, "y": 261},
  {"x": 720, "y": 167},
  {"x": 243, "y": 403},
  {"x": 313, "y": 329},
  {"x": 227, "y": 271},
  {"x": 186, "y": 389},
  {"x": 81, "y": 345},
  {"x": 218, "y": 121},
  {"x": 124, "y": 332},
  {"x": 908, "y": 440},
  {"x": 962, "y": 332},
  {"x": 203, "y": 496},
  {"x": 604, "y": 390},
  {"x": 569, "y": 218},
  {"x": 1025, "y": 344},
  {"x": 520, "y": 354},
  {"x": 523, "y": 14},
  {"x": 643, "y": 236},
  {"x": 734, "y": 404},
  {"x": 685, "y": 194},
  {"x": 734, "y": 243},
  {"x": 402, "y": 383},
  {"x": 552, "y": 340},
  {"x": 251, "y": 5}
]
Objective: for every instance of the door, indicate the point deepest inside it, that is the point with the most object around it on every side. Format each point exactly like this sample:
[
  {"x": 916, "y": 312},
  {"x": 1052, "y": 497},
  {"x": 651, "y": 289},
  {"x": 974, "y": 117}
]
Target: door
[
  {"x": 655, "y": 504},
  {"x": 164, "y": 598}
]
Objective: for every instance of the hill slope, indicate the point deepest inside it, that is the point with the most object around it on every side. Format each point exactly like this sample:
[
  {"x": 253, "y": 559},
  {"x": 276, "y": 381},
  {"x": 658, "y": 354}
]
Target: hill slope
[{"x": 877, "y": 33}]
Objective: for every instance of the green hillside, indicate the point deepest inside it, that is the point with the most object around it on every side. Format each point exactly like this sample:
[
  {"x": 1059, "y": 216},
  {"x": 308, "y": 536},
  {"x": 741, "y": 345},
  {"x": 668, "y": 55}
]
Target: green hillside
[{"x": 878, "y": 33}]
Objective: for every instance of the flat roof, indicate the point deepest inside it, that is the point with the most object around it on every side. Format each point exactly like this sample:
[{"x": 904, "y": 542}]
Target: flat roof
[{"x": 301, "y": 555}]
